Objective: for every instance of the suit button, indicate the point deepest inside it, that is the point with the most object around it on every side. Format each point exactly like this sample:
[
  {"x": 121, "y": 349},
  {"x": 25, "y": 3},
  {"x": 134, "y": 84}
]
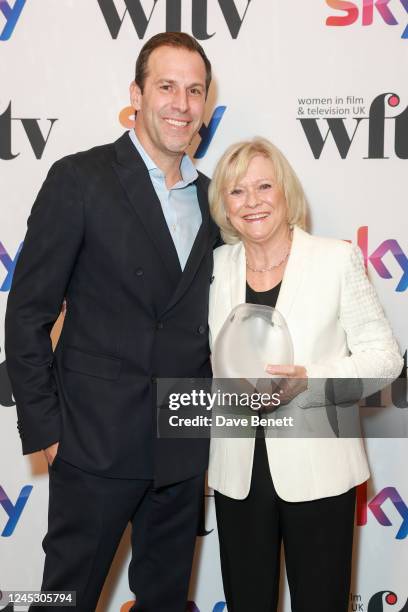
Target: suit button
[
  {"x": 153, "y": 379},
  {"x": 139, "y": 272},
  {"x": 201, "y": 329},
  {"x": 159, "y": 325}
]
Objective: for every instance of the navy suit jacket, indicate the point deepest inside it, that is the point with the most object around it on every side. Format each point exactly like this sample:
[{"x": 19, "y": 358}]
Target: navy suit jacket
[{"x": 97, "y": 237}]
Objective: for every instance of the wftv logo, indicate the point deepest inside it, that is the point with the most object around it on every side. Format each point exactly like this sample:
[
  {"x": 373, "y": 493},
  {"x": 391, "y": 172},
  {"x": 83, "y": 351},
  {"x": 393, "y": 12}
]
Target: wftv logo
[
  {"x": 32, "y": 129},
  {"x": 377, "y": 601},
  {"x": 375, "y": 121},
  {"x": 15, "y": 510},
  {"x": 375, "y": 506},
  {"x": 367, "y": 13},
  {"x": 11, "y": 15},
  {"x": 126, "y": 118},
  {"x": 173, "y": 21}
]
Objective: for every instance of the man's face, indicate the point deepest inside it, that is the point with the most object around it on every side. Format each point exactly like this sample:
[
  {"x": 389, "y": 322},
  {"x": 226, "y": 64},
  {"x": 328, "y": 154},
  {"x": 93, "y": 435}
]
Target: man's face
[{"x": 171, "y": 108}]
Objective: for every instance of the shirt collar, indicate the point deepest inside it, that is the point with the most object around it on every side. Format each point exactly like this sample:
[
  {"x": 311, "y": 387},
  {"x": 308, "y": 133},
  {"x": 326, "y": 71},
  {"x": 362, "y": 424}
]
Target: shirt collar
[{"x": 187, "y": 169}]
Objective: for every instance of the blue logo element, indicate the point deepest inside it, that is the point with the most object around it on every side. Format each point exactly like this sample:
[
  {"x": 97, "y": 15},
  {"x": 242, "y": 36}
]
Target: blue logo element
[
  {"x": 13, "y": 511},
  {"x": 11, "y": 15},
  {"x": 220, "y": 606},
  {"x": 207, "y": 132},
  {"x": 9, "y": 264}
]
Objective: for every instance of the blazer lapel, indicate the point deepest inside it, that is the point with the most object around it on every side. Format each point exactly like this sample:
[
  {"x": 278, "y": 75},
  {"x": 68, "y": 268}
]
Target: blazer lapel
[
  {"x": 291, "y": 279},
  {"x": 237, "y": 275},
  {"x": 294, "y": 271},
  {"x": 135, "y": 180},
  {"x": 200, "y": 246}
]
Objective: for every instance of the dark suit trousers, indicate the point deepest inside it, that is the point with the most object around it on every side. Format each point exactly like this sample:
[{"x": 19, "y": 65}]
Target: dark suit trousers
[
  {"x": 317, "y": 537},
  {"x": 87, "y": 517}
]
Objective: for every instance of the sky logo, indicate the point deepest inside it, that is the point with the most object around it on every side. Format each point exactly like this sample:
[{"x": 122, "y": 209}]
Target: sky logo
[
  {"x": 376, "y": 257},
  {"x": 375, "y": 506},
  {"x": 368, "y": 7},
  {"x": 13, "y": 511},
  {"x": 221, "y": 606},
  {"x": 11, "y": 15},
  {"x": 9, "y": 264},
  {"x": 207, "y": 132}
]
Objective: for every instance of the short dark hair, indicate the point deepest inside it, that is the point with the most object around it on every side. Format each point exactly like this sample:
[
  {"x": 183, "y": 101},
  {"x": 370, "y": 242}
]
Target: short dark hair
[{"x": 169, "y": 39}]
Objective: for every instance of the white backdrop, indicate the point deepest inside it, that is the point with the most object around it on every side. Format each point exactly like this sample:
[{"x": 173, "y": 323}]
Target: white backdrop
[{"x": 332, "y": 97}]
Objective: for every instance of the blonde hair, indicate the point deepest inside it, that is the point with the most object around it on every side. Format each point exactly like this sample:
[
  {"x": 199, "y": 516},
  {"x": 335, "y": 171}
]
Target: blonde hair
[{"x": 232, "y": 167}]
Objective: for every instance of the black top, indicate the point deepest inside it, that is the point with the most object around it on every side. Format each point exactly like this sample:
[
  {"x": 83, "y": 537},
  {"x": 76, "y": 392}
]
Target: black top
[{"x": 266, "y": 298}]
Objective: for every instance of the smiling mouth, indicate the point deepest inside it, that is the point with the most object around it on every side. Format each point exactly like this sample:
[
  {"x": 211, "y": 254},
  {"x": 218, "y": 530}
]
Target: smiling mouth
[
  {"x": 256, "y": 216},
  {"x": 177, "y": 123}
]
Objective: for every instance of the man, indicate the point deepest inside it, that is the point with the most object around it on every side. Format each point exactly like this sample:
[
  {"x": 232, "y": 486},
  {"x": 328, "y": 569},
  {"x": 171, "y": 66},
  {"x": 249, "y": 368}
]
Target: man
[{"x": 122, "y": 233}]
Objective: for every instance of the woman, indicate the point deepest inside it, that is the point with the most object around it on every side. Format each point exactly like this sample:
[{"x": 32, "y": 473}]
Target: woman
[{"x": 299, "y": 491}]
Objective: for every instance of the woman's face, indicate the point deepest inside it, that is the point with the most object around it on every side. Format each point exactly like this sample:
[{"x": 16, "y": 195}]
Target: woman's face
[{"x": 256, "y": 206}]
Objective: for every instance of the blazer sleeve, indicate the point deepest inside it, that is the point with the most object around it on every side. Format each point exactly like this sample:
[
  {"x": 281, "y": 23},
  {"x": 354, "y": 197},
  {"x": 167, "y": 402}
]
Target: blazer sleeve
[
  {"x": 53, "y": 239},
  {"x": 374, "y": 353}
]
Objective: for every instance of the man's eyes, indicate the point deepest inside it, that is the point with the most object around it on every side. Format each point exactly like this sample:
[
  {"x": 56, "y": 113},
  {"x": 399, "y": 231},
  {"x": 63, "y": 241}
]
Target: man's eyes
[{"x": 194, "y": 91}]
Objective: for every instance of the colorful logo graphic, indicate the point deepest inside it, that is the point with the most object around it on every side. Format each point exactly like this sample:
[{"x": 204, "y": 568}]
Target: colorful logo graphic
[
  {"x": 173, "y": 17},
  {"x": 219, "y": 607},
  {"x": 375, "y": 506},
  {"x": 207, "y": 132},
  {"x": 9, "y": 264},
  {"x": 366, "y": 8},
  {"x": 377, "y": 601},
  {"x": 343, "y": 131},
  {"x": 15, "y": 510},
  {"x": 391, "y": 246},
  {"x": 11, "y": 15},
  {"x": 33, "y": 132}
]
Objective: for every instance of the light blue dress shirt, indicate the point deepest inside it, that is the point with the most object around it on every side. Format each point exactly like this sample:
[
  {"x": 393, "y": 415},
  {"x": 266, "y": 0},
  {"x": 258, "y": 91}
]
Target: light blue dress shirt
[{"x": 179, "y": 204}]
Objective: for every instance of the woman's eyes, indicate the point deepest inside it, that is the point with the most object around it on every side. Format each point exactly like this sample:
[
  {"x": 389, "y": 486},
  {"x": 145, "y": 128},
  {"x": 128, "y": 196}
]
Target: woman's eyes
[{"x": 262, "y": 187}]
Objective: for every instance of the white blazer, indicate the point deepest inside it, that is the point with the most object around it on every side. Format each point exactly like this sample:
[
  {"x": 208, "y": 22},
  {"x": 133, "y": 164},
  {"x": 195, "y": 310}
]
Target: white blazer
[{"x": 338, "y": 330}]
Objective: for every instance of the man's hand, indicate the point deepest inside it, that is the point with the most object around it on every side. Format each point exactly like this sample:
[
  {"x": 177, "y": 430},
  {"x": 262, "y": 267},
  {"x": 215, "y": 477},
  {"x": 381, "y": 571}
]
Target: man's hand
[
  {"x": 51, "y": 452},
  {"x": 290, "y": 388}
]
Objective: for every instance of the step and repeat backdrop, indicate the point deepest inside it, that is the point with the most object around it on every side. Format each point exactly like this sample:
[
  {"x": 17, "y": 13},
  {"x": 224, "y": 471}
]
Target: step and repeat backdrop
[{"x": 326, "y": 80}]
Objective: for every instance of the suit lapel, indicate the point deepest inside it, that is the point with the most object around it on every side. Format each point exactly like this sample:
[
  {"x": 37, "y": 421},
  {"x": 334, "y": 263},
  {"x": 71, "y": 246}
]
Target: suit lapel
[
  {"x": 199, "y": 248},
  {"x": 135, "y": 180},
  {"x": 237, "y": 275},
  {"x": 299, "y": 256}
]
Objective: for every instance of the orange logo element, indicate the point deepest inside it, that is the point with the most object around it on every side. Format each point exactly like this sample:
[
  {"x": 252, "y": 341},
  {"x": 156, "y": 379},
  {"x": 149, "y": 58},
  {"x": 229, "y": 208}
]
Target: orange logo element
[{"x": 127, "y": 119}]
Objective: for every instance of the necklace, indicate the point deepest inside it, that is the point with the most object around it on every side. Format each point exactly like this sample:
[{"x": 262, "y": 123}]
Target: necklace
[{"x": 269, "y": 268}]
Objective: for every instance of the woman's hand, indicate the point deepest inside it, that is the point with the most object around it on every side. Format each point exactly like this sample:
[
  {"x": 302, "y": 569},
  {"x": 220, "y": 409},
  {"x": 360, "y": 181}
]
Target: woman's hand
[{"x": 293, "y": 380}]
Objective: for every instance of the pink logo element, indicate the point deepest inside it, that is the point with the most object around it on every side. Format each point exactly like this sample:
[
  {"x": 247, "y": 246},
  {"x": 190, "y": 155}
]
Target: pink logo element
[
  {"x": 376, "y": 257},
  {"x": 375, "y": 506},
  {"x": 366, "y": 8}
]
